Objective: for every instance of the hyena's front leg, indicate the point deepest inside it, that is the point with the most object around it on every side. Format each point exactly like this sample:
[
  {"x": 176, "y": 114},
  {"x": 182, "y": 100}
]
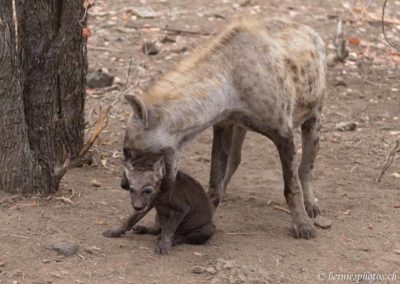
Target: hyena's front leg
[
  {"x": 302, "y": 225},
  {"x": 310, "y": 131},
  {"x": 222, "y": 136},
  {"x": 235, "y": 153}
]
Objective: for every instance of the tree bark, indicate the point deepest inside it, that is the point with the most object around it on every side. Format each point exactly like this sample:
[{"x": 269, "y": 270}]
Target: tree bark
[{"x": 42, "y": 92}]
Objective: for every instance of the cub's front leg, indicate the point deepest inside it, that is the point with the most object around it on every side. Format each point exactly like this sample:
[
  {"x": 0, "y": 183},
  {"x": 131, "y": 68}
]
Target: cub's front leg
[
  {"x": 164, "y": 246},
  {"x": 126, "y": 225}
]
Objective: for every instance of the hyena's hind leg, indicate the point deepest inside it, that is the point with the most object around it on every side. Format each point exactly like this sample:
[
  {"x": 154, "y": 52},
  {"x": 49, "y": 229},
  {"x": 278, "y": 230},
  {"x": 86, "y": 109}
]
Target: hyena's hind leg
[
  {"x": 310, "y": 131},
  {"x": 225, "y": 158}
]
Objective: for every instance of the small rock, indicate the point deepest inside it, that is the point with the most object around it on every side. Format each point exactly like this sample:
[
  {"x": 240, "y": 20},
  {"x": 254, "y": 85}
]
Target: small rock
[
  {"x": 339, "y": 81},
  {"x": 2, "y": 264},
  {"x": 63, "y": 247},
  {"x": 199, "y": 270},
  {"x": 17, "y": 273},
  {"x": 228, "y": 264},
  {"x": 322, "y": 222},
  {"x": 346, "y": 126},
  {"x": 46, "y": 260},
  {"x": 151, "y": 47},
  {"x": 211, "y": 270},
  {"x": 95, "y": 183},
  {"x": 92, "y": 249},
  {"x": 396, "y": 175},
  {"x": 144, "y": 12},
  {"x": 168, "y": 38},
  {"x": 397, "y": 251},
  {"x": 242, "y": 277},
  {"x": 99, "y": 79},
  {"x": 370, "y": 226}
]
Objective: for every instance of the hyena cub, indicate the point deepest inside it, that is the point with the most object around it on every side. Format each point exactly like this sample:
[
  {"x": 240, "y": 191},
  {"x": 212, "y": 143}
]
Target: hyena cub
[{"x": 183, "y": 211}]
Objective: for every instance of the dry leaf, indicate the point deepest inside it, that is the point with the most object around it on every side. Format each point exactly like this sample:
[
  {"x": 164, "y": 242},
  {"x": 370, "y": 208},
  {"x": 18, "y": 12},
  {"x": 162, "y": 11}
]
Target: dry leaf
[
  {"x": 354, "y": 41},
  {"x": 86, "y": 32}
]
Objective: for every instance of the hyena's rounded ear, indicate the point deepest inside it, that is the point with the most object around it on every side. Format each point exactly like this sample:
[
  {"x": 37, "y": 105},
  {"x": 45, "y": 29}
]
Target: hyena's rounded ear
[
  {"x": 159, "y": 167},
  {"x": 139, "y": 109}
]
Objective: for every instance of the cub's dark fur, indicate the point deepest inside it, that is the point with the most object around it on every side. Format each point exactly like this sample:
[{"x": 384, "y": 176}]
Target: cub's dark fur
[{"x": 183, "y": 215}]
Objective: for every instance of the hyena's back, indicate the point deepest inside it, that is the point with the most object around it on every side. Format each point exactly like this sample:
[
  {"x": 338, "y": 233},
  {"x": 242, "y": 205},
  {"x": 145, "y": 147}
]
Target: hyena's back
[
  {"x": 277, "y": 68},
  {"x": 271, "y": 71}
]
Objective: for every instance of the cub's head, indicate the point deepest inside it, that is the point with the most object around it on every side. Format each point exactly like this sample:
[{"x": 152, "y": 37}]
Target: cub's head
[{"x": 142, "y": 177}]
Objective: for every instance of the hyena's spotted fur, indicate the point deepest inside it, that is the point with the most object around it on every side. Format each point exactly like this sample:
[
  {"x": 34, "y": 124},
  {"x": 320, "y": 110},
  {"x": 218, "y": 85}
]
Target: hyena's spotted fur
[{"x": 264, "y": 77}]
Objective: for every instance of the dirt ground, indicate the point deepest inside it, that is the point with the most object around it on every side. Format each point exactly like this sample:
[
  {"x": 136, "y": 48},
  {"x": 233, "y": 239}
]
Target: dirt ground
[{"x": 253, "y": 242}]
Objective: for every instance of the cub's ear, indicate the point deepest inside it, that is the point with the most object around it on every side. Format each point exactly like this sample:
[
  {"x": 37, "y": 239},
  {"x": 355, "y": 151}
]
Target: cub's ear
[
  {"x": 159, "y": 167},
  {"x": 139, "y": 109},
  {"x": 124, "y": 182}
]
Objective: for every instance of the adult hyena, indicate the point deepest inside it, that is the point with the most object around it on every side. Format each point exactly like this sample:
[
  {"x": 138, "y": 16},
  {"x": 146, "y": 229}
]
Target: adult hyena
[{"x": 265, "y": 77}]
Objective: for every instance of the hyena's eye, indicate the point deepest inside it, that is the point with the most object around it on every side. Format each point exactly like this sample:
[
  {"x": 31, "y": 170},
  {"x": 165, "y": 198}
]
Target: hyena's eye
[
  {"x": 127, "y": 153},
  {"x": 148, "y": 190}
]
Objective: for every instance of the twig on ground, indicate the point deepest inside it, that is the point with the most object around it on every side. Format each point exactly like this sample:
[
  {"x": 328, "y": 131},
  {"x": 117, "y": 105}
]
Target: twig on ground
[
  {"x": 16, "y": 236},
  {"x": 102, "y": 48},
  {"x": 283, "y": 209},
  {"x": 392, "y": 154},
  {"x": 65, "y": 200},
  {"x": 241, "y": 234}
]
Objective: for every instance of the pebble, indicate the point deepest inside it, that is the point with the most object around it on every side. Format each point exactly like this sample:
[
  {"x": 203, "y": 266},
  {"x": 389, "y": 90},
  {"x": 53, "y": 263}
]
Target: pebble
[
  {"x": 346, "y": 126},
  {"x": 322, "y": 222},
  {"x": 99, "y": 79},
  {"x": 63, "y": 247},
  {"x": 46, "y": 260},
  {"x": 211, "y": 270},
  {"x": 144, "y": 12},
  {"x": 228, "y": 264},
  {"x": 151, "y": 47},
  {"x": 92, "y": 249},
  {"x": 199, "y": 270}
]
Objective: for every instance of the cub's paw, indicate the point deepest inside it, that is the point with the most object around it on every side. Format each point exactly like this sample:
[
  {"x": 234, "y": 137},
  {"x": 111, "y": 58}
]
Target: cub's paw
[
  {"x": 163, "y": 247},
  {"x": 140, "y": 230},
  {"x": 304, "y": 231},
  {"x": 110, "y": 233}
]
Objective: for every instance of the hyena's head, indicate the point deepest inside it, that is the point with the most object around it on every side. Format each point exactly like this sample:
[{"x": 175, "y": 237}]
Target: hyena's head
[
  {"x": 143, "y": 177},
  {"x": 143, "y": 154}
]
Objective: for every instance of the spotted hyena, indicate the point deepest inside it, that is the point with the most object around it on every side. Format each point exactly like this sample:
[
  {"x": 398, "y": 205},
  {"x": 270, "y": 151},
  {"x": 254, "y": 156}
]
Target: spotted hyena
[{"x": 267, "y": 77}]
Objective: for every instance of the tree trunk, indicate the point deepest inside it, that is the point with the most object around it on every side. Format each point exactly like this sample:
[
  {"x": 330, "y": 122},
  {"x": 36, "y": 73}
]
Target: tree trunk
[{"x": 42, "y": 90}]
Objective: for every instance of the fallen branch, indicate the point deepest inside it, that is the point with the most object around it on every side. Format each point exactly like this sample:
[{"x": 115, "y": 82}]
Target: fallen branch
[
  {"x": 101, "y": 124},
  {"x": 172, "y": 30},
  {"x": 396, "y": 149}
]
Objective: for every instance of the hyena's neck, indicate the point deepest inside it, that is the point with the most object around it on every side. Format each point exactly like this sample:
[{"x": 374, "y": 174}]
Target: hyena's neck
[{"x": 189, "y": 102}]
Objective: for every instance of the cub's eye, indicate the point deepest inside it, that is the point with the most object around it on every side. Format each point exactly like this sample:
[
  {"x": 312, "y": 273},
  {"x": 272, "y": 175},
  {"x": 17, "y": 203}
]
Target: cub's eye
[
  {"x": 131, "y": 189},
  {"x": 147, "y": 190},
  {"x": 127, "y": 153}
]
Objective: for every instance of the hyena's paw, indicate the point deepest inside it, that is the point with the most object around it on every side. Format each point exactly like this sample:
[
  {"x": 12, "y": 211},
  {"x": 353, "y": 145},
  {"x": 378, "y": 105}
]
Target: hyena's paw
[
  {"x": 312, "y": 209},
  {"x": 140, "y": 230},
  {"x": 304, "y": 230},
  {"x": 110, "y": 233}
]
